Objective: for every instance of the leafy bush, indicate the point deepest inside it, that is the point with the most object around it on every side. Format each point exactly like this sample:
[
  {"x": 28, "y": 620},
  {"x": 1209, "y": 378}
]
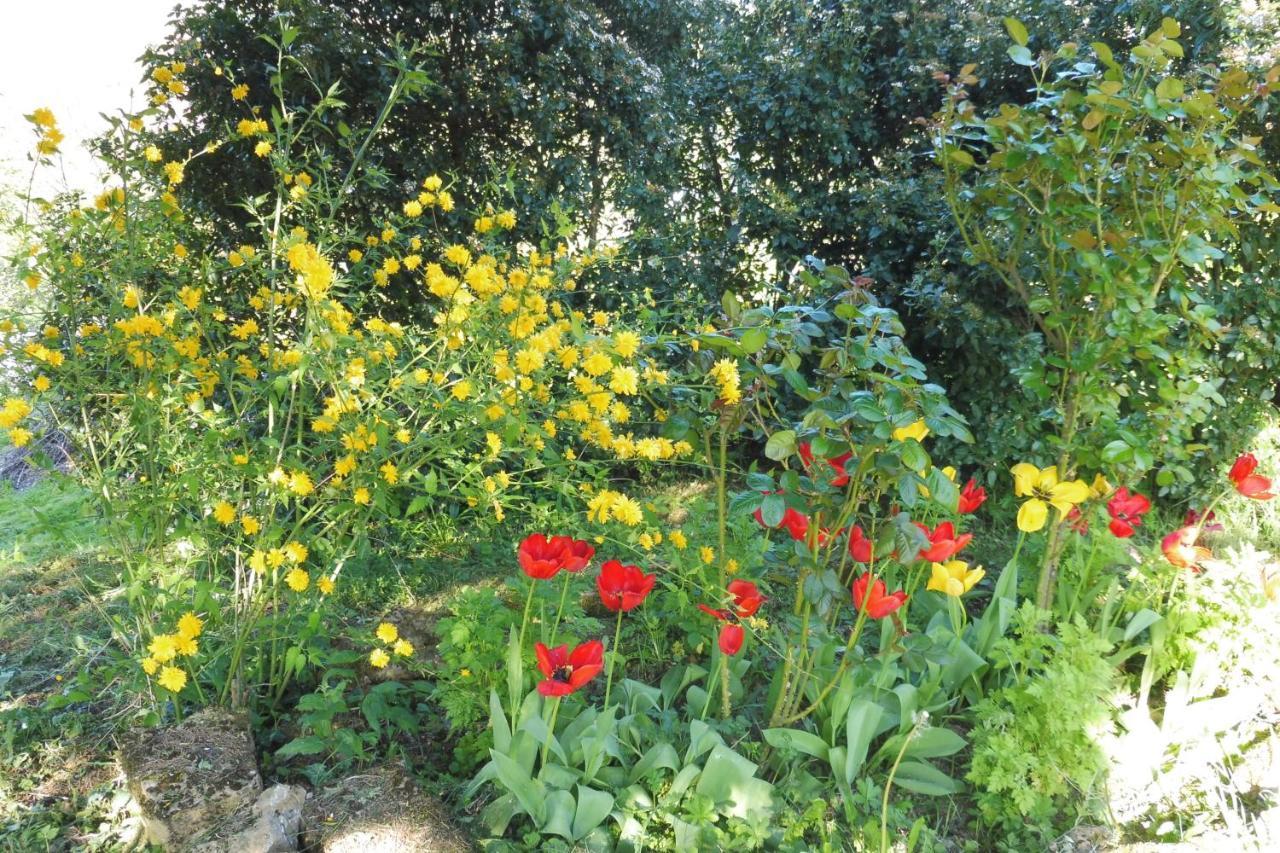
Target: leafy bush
[{"x": 1034, "y": 747}]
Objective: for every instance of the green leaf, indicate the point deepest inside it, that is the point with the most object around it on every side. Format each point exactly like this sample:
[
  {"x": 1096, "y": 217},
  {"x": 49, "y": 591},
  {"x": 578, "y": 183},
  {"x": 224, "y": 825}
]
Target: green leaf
[
  {"x": 309, "y": 745},
  {"x": 925, "y": 779},
  {"x": 860, "y": 728},
  {"x": 531, "y": 793},
  {"x": 593, "y": 807},
  {"x": 1104, "y": 53},
  {"x": 754, "y": 339},
  {"x": 934, "y": 743},
  {"x": 780, "y": 445},
  {"x": 797, "y": 740},
  {"x": 772, "y": 509},
  {"x": 1021, "y": 55},
  {"x": 1016, "y": 30},
  {"x": 1139, "y": 622}
]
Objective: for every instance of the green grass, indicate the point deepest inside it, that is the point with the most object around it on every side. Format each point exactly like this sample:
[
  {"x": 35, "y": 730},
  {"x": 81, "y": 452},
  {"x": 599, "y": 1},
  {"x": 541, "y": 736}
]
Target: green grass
[{"x": 59, "y": 785}]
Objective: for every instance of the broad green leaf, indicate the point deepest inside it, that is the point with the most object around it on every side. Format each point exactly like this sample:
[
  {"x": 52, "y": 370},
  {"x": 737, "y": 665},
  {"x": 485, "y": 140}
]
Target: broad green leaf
[
  {"x": 1016, "y": 30},
  {"x": 1021, "y": 55},
  {"x": 754, "y": 339},
  {"x": 531, "y": 793},
  {"x": 772, "y": 510},
  {"x": 593, "y": 807},
  {"x": 860, "y": 728},
  {"x": 797, "y": 740},
  {"x": 780, "y": 445},
  {"x": 926, "y": 779},
  {"x": 1139, "y": 622},
  {"x": 934, "y": 743}
]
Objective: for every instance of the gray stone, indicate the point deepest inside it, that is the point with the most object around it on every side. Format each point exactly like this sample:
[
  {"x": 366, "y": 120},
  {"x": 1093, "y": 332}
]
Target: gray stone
[{"x": 277, "y": 820}]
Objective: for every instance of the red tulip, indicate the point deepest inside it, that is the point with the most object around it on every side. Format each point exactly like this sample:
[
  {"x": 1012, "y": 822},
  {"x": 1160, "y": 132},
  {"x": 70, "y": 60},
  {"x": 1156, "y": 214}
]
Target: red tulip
[
  {"x": 943, "y": 542},
  {"x": 1181, "y": 550},
  {"x": 566, "y": 672},
  {"x": 746, "y": 598},
  {"x": 1126, "y": 511},
  {"x": 874, "y": 600},
  {"x": 577, "y": 553},
  {"x": 840, "y": 477},
  {"x": 972, "y": 496},
  {"x": 746, "y": 601},
  {"x": 859, "y": 545},
  {"x": 623, "y": 588},
  {"x": 731, "y": 637},
  {"x": 1247, "y": 483},
  {"x": 539, "y": 557},
  {"x": 796, "y": 523}
]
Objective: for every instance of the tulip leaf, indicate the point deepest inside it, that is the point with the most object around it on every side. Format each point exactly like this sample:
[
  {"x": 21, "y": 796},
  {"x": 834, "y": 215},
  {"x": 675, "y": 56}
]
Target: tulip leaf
[
  {"x": 1139, "y": 622},
  {"x": 531, "y": 793},
  {"x": 799, "y": 741},
  {"x": 593, "y": 807},
  {"x": 934, "y": 742},
  {"x": 925, "y": 779},
  {"x": 860, "y": 728}
]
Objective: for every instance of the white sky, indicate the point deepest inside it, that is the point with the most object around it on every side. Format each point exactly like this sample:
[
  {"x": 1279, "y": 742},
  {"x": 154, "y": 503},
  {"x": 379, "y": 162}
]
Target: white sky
[{"x": 76, "y": 57}]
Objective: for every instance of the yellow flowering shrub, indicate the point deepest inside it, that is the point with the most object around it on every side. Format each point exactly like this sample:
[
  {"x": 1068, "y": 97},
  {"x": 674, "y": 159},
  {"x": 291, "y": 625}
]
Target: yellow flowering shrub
[{"x": 246, "y": 405}]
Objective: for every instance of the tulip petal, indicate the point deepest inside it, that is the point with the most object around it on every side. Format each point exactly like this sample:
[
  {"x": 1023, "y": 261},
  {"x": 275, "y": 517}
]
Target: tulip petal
[{"x": 1032, "y": 515}]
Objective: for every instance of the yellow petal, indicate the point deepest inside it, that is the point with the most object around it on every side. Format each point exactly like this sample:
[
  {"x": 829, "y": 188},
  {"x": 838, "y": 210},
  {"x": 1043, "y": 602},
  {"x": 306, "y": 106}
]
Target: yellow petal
[
  {"x": 917, "y": 430},
  {"x": 971, "y": 578},
  {"x": 1073, "y": 492},
  {"x": 1100, "y": 487},
  {"x": 1048, "y": 478},
  {"x": 1032, "y": 515},
  {"x": 955, "y": 588},
  {"x": 1025, "y": 476},
  {"x": 938, "y": 579}
]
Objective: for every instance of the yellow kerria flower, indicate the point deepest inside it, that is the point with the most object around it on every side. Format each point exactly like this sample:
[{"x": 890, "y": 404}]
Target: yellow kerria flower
[
  {"x": 172, "y": 679},
  {"x": 917, "y": 430},
  {"x": 150, "y": 665},
  {"x": 954, "y": 577},
  {"x": 224, "y": 513},
  {"x": 387, "y": 633},
  {"x": 325, "y": 585},
  {"x": 378, "y": 658},
  {"x": 679, "y": 540},
  {"x": 403, "y": 648},
  {"x": 361, "y": 496},
  {"x": 708, "y": 554},
  {"x": 1042, "y": 487},
  {"x": 298, "y": 580},
  {"x": 190, "y": 625}
]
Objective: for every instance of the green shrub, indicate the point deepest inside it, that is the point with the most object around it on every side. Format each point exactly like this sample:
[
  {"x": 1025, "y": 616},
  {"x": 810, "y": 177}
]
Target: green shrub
[{"x": 1033, "y": 739}]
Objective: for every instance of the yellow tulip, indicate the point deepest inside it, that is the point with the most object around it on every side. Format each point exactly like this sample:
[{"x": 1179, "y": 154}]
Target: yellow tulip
[
  {"x": 954, "y": 577},
  {"x": 1043, "y": 488},
  {"x": 917, "y": 430}
]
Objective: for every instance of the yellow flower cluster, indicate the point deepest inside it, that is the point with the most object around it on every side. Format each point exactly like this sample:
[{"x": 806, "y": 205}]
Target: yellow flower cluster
[
  {"x": 725, "y": 373},
  {"x": 398, "y": 646},
  {"x": 607, "y": 505},
  {"x": 315, "y": 273},
  {"x": 49, "y": 137},
  {"x": 164, "y": 650},
  {"x": 13, "y": 413}
]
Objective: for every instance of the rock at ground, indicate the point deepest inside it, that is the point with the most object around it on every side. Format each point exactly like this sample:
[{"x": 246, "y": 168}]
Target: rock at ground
[
  {"x": 380, "y": 811},
  {"x": 189, "y": 780},
  {"x": 274, "y": 824}
]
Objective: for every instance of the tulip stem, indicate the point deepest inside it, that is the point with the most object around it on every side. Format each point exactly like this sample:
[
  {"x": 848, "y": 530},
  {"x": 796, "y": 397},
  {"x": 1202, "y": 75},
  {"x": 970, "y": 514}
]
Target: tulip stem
[
  {"x": 551, "y": 731},
  {"x": 564, "y": 594},
  {"x": 715, "y": 671},
  {"x": 613, "y": 657},
  {"x": 528, "y": 606}
]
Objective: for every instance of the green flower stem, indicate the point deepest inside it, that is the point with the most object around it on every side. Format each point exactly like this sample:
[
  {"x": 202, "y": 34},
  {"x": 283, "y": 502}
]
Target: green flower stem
[
  {"x": 888, "y": 786},
  {"x": 528, "y": 606},
  {"x": 613, "y": 658},
  {"x": 716, "y": 668},
  {"x": 551, "y": 730},
  {"x": 564, "y": 595}
]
